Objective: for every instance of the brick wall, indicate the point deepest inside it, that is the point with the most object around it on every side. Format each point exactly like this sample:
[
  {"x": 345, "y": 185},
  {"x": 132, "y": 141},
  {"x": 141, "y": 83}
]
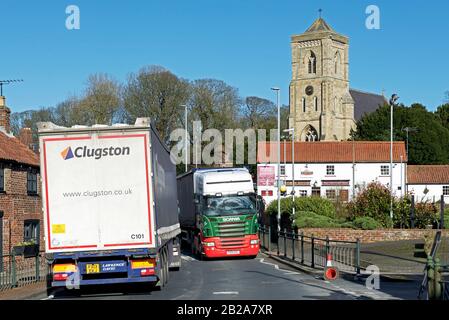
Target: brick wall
[
  {"x": 368, "y": 236},
  {"x": 18, "y": 206}
]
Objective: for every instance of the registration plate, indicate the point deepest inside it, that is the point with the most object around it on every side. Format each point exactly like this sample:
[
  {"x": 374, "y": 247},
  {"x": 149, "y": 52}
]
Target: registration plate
[
  {"x": 233, "y": 252},
  {"x": 93, "y": 268}
]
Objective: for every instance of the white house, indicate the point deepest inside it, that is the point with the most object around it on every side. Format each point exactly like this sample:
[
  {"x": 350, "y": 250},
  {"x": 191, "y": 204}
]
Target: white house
[
  {"x": 428, "y": 182},
  {"x": 330, "y": 169}
]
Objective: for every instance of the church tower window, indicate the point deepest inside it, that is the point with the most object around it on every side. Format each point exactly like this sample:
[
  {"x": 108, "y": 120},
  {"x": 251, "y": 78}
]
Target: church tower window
[
  {"x": 303, "y": 104},
  {"x": 312, "y": 63},
  {"x": 337, "y": 61},
  {"x": 315, "y": 103}
]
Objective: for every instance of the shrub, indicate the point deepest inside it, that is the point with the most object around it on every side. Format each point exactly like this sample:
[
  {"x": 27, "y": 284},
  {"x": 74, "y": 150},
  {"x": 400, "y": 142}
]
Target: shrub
[
  {"x": 308, "y": 219},
  {"x": 317, "y": 205},
  {"x": 366, "y": 223},
  {"x": 373, "y": 202},
  {"x": 401, "y": 212},
  {"x": 425, "y": 214}
]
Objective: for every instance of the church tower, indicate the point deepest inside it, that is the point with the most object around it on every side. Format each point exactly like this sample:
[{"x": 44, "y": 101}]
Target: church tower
[{"x": 321, "y": 107}]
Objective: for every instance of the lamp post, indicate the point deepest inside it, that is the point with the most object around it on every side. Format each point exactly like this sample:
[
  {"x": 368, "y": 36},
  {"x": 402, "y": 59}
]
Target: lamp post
[
  {"x": 393, "y": 100},
  {"x": 277, "y": 90},
  {"x": 186, "y": 147},
  {"x": 292, "y": 132}
]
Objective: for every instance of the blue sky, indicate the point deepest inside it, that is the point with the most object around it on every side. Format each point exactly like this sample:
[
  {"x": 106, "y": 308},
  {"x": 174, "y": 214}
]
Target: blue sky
[{"x": 243, "y": 42}]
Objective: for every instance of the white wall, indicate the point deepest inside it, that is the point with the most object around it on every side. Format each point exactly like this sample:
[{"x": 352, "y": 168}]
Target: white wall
[
  {"x": 364, "y": 174},
  {"x": 434, "y": 192}
]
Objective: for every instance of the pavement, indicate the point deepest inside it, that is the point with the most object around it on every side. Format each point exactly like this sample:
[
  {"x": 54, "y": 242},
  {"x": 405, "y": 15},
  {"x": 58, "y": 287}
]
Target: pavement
[{"x": 262, "y": 278}]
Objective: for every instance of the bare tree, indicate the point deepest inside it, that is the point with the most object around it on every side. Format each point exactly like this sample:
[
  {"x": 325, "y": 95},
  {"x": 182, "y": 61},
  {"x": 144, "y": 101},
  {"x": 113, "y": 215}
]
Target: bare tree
[
  {"x": 100, "y": 101},
  {"x": 156, "y": 93},
  {"x": 257, "y": 111},
  {"x": 215, "y": 104}
]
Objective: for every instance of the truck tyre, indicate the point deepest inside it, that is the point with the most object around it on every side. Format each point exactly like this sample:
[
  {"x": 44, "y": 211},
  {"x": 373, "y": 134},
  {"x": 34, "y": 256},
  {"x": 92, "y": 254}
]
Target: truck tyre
[
  {"x": 167, "y": 271},
  {"x": 161, "y": 271}
]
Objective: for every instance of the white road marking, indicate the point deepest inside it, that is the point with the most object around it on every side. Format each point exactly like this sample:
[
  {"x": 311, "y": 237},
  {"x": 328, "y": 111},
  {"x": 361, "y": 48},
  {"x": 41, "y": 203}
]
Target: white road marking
[
  {"x": 226, "y": 292},
  {"x": 187, "y": 258},
  {"x": 48, "y": 298}
]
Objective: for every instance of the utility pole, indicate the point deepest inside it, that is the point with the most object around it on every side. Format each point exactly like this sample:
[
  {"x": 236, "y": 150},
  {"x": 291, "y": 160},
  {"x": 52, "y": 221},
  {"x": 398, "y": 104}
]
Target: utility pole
[
  {"x": 393, "y": 100},
  {"x": 277, "y": 90}
]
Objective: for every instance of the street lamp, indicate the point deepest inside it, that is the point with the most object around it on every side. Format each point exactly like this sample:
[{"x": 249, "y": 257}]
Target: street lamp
[
  {"x": 292, "y": 132},
  {"x": 277, "y": 90},
  {"x": 393, "y": 100},
  {"x": 185, "y": 138}
]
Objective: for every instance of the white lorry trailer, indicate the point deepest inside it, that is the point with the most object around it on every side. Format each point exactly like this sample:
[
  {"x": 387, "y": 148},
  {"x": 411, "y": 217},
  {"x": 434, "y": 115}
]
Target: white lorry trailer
[{"x": 109, "y": 213}]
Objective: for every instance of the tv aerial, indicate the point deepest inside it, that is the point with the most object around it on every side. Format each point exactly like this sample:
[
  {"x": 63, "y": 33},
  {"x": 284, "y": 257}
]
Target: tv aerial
[{"x": 3, "y": 82}]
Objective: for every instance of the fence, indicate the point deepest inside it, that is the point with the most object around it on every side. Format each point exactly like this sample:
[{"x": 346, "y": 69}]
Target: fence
[
  {"x": 17, "y": 271},
  {"x": 312, "y": 251}
]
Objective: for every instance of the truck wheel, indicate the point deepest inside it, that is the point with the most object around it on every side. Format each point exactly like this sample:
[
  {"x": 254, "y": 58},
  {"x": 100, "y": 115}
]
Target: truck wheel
[{"x": 162, "y": 271}]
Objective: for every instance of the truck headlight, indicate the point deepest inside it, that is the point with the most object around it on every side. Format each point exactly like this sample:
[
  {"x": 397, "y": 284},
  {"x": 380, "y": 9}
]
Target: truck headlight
[
  {"x": 208, "y": 244},
  {"x": 254, "y": 241}
]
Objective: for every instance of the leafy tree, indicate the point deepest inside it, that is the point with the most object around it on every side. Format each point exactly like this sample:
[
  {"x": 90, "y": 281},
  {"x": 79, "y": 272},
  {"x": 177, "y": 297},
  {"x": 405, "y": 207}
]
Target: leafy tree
[
  {"x": 429, "y": 145},
  {"x": 442, "y": 114}
]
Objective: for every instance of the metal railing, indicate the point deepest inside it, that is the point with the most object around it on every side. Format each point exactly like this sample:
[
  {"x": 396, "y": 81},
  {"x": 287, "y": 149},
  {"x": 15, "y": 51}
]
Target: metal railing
[
  {"x": 311, "y": 251},
  {"x": 18, "y": 271}
]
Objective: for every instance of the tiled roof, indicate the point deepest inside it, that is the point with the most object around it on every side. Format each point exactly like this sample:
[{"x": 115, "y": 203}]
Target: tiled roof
[
  {"x": 333, "y": 152},
  {"x": 428, "y": 174},
  {"x": 365, "y": 102},
  {"x": 11, "y": 149}
]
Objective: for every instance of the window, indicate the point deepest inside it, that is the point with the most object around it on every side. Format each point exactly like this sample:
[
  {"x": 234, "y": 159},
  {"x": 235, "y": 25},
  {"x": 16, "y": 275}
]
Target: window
[
  {"x": 316, "y": 192},
  {"x": 337, "y": 60},
  {"x": 330, "y": 170},
  {"x": 303, "y": 193},
  {"x": 2, "y": 179},
  {"x": 303, "y": 104},
  {"x": 32, "y": 182},
  {"x": 31, "y": 230},
  {"x": 282, "y": 170},
  {"x": 331, "y": 194},
  {"x": 445, "y": 190},
  {"x": 315, "y": 103},
  {"x": 384, "y": 170},
  {"x": 312, "y": 63}
]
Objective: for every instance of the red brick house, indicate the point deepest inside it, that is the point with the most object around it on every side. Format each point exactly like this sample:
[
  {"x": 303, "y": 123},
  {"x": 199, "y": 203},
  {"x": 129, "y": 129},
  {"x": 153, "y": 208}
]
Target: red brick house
[{"x": 20, "y": 192}]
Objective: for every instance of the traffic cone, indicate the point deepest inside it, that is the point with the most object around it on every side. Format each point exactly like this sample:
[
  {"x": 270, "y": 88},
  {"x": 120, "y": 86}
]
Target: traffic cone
[{"x": 330, "y": 272}]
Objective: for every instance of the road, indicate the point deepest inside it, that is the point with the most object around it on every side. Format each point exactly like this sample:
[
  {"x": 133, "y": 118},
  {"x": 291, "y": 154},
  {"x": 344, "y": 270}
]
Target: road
[{"x": 246, "y": 279}]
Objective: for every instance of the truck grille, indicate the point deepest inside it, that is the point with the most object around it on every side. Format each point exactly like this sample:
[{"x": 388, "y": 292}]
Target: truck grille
[
  {"x": 232, "y": 243},
  {"x": 231, "y": 229}
]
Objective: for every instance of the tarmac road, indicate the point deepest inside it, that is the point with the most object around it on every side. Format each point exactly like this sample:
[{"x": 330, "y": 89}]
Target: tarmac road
[{"x": 245, "y": 279}]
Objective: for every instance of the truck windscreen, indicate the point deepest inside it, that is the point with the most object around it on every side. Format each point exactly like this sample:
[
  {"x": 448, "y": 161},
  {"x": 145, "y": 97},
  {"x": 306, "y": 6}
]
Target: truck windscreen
[{"x": 229, "y": 205}]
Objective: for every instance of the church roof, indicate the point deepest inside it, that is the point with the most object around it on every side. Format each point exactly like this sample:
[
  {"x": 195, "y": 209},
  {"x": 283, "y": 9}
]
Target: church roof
[
  {"x": 365, "y": 102},
  {"x": 319, "y": 26}
]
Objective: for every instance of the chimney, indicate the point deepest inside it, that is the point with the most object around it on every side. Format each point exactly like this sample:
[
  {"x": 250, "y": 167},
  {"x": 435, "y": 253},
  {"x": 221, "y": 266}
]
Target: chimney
[
  {"x": 4, "y": 115},
  {"x": 26, "y": 137}
]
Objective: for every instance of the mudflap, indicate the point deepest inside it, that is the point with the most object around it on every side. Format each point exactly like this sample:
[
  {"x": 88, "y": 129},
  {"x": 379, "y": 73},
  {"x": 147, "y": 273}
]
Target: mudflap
[{"x": 175, "y": 261}]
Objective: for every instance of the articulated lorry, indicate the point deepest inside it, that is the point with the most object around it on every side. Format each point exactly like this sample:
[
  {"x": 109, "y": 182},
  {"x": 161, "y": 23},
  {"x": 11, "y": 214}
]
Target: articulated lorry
[
  {"x": 109, "y": 212},
  {"x": 217, "y": 212}
]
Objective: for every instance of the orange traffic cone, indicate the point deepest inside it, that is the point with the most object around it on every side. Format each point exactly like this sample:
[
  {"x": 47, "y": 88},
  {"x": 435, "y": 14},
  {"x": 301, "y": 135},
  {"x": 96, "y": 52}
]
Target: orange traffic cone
[{"x": 330, "y": 272}]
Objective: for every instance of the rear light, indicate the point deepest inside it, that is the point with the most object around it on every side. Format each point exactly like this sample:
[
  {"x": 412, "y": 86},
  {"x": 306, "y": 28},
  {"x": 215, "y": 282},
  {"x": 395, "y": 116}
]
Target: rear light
[
  {"x": 60, "y": 276},
  {"x": 209, "y": 244},
  {"x": 146, "y": 272},
  {"x": 254, "y": 241},
  {"x": 64, "y": 268},
  {"x": 143, "y": 263}
]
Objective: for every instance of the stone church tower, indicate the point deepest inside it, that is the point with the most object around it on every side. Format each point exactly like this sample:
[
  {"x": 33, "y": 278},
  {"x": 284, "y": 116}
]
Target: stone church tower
[{"x": 321, "y": 106}]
